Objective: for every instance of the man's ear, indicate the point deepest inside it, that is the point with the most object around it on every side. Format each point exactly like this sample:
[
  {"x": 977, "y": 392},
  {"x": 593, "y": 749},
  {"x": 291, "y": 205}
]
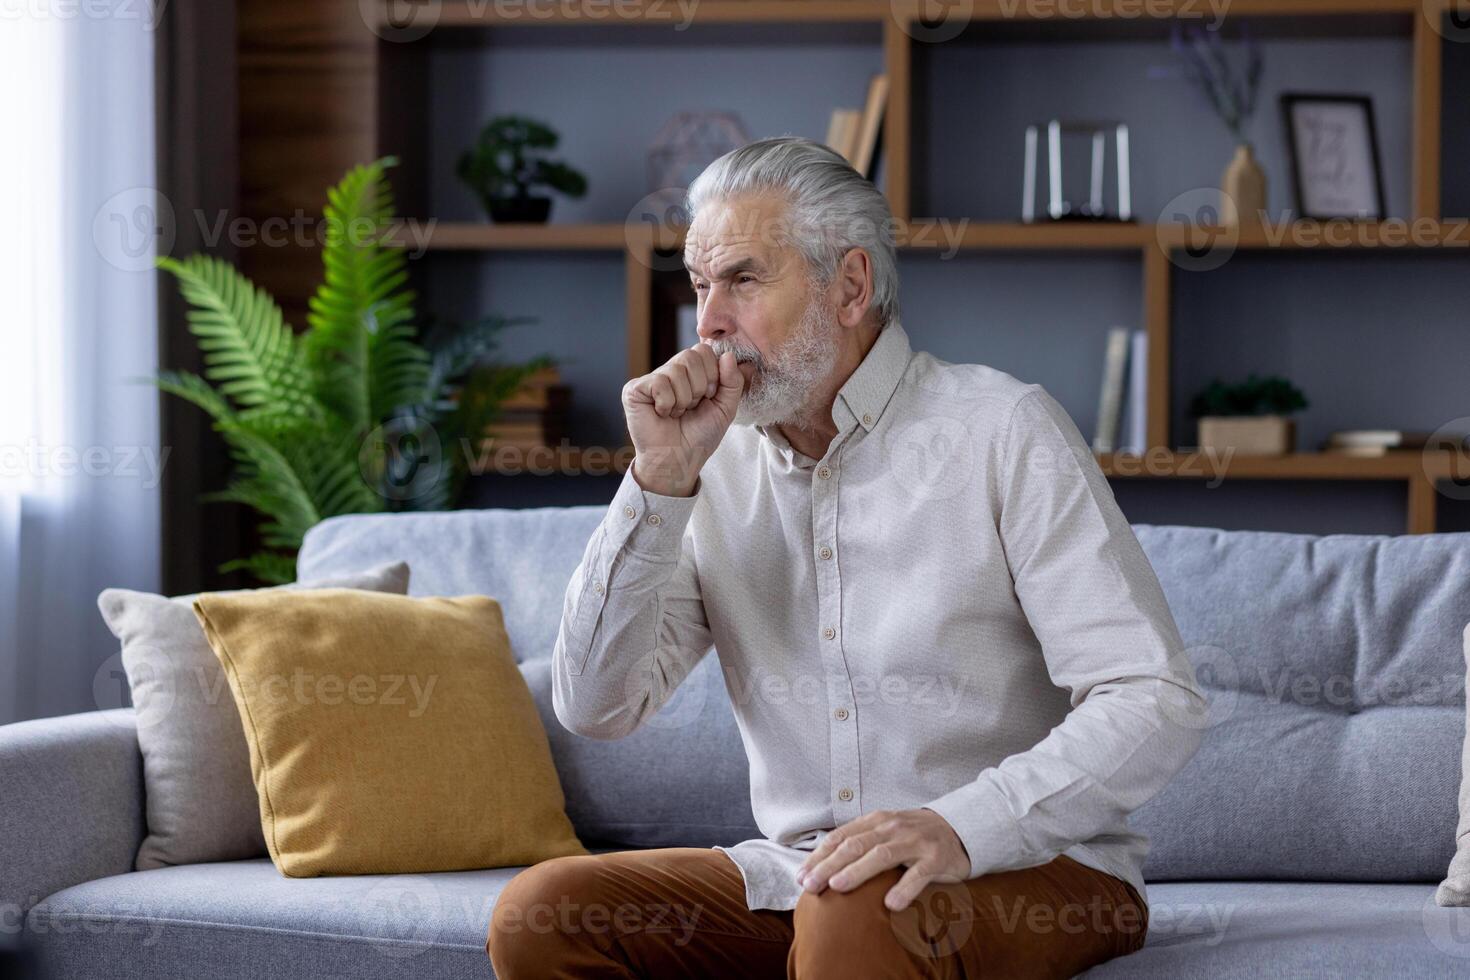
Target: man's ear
[{"x": 854, "y": 287}]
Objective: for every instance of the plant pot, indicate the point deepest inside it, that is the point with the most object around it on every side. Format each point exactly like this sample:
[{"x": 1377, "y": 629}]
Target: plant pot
[
  {"x": 1243, "y": 191},
  {"x": 519, "y": 210},
  {"x": 1248, "y": 435}
]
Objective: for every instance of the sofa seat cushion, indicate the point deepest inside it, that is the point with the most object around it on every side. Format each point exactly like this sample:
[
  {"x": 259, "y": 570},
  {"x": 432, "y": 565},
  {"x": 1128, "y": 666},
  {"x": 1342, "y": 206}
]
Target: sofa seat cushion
[
  {"x": 242, "y": 918},
  {"x": 1303, "y": 930}
]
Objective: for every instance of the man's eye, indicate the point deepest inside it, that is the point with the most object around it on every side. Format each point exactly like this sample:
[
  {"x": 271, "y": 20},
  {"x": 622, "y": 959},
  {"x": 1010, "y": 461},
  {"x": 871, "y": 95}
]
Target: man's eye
[{"x": 747, "y": 277}]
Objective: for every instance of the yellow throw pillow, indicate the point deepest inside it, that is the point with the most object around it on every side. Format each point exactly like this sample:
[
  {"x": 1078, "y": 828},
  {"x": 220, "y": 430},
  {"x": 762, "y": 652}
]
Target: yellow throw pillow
[{"x": 387, "y": 734}]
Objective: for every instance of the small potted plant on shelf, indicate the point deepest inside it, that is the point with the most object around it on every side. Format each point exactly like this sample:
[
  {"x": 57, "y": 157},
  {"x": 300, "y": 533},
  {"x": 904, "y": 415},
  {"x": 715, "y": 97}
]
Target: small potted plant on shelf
[
  {"x": 508, "y": 160},
  {"x": 1248, "y": 418}
]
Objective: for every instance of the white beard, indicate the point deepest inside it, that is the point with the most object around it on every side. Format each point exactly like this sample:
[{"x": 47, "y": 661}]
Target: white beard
[{"x": 785, "y": 383}]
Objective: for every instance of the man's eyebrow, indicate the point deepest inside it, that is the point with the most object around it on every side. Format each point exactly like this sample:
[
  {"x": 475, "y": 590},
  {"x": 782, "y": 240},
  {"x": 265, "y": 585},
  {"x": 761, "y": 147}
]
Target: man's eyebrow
[{"x": 748, "y": 263}]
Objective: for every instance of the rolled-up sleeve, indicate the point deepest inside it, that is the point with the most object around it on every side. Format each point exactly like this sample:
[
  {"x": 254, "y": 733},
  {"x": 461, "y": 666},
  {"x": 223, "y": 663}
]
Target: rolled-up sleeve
[
  {"x": 1097, "y": 609},
  {"x": 633, "y": 622}
]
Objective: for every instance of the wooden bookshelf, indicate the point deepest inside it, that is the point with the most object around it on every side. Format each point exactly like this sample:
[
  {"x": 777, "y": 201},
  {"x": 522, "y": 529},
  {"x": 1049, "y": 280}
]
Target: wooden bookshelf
[{"x": 316, "y": 74}]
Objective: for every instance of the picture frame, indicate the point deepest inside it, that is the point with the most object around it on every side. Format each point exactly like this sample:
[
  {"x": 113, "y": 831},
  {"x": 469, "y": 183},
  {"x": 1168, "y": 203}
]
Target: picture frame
[{"x": 1336, "y": 171}]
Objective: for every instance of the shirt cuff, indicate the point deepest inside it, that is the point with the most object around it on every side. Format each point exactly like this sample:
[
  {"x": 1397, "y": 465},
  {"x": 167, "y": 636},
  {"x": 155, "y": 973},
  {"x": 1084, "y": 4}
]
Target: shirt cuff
[
  {"x": 984, "y": 824},
  {"x": 647, "y": 523}
]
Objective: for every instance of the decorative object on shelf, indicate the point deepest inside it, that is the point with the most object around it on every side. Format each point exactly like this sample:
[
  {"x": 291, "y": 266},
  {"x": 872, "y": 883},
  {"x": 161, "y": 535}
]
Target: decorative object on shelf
[
  {"x": 1060, "y": 205},
  {"x": 1232, "y": 92},
  {"x": 1248, "y": 418},
  {"x": 508, "y": 160},
  {"x": 1334, "y": 155},
  {"x": 1374, "y": 442},
  {"x": 688, "y": 143},
  {"x": 354, "y": 415},
  {"x": 531, "y": 406}
]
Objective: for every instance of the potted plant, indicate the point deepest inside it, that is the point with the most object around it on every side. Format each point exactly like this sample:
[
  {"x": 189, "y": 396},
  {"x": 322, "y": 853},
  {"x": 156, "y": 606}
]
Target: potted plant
[
  {"x": 1250, "y": 417},
  {"x": 353, "y": 415},
  {"x": 508, "y": 160}
]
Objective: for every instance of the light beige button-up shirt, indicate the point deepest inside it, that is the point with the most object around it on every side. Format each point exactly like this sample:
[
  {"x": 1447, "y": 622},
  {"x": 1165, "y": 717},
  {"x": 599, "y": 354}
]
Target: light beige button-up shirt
[{"x": 947, "y": 610}]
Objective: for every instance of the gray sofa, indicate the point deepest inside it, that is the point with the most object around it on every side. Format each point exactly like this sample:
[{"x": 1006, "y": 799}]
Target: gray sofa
[{"x": 1304, "y": 839}]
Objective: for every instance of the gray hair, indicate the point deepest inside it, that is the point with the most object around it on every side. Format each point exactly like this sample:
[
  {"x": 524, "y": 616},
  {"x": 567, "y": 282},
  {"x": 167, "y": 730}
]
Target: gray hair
[{"x": 832, "y": 208}]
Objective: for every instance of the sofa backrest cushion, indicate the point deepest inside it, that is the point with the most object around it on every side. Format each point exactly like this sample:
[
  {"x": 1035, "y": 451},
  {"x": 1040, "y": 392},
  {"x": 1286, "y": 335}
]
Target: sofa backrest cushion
[
  {"x": 1337, "y": 686},
  {"x": 1333, "y": 663}
]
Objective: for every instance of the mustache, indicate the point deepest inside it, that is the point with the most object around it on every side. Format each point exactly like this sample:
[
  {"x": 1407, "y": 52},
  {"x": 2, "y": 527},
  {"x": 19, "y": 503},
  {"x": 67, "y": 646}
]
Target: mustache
[{"x": 742, "y": 352}]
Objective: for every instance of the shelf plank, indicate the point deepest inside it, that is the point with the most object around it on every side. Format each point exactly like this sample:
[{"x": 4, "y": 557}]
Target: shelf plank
[
  {"x": 936, "y": 234},
  {"x": 1402, "y": 464},
  {"x": 604, "y": 13},
  {"x": 1197, "y": 10}
]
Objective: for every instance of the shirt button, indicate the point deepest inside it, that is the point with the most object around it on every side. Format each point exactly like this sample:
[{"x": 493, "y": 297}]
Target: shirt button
[
  {"x": 599, "y": 588},
  {"x": 867, "y": 420},
  {"x": 825, "y": 553},
  {"x": 829, "y": 632},
  {"x": 844, "y": 794},
  {"x": 655, "y": 520},
  {"x": 629, "y": 513},
  {"x": 824, "y": 472},
  {"x": 840, "y": 714}
]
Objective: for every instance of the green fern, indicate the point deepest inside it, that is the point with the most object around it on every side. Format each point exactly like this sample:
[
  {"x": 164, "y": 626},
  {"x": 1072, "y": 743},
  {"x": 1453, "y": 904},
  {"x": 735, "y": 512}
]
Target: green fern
[{"x": 298, "y": 413}]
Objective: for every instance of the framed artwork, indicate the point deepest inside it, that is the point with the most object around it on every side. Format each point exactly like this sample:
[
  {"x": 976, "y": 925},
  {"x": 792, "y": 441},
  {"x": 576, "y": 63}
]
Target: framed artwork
[{"x": 1335, "y": 168}]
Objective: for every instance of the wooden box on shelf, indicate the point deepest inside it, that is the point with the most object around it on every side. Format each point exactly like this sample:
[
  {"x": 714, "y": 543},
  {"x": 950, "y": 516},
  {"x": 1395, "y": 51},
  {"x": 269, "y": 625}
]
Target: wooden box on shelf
[{"x": 1248, "y": 435}]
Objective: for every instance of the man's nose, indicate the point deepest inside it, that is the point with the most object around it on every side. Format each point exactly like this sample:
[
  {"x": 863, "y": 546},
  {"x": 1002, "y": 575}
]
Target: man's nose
[{"x": 714, "y": 323}]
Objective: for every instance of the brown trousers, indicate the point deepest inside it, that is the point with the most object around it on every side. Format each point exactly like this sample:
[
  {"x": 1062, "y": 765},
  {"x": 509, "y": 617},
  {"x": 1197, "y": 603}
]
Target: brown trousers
[{"x": 678, "y": 912}]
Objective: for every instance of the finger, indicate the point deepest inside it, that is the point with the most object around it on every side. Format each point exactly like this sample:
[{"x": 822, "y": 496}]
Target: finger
[
  {"x": 879, "y": 857},
  {"x": 845, "y": 854},
  {"x": 661, "y": 390},
  {"x": 679, "y": 379},
  {"x": 700, "y": 381},
  {"x": 711, "y": 365},
  {"x": 732, "y": 386},
  {"x": 909, "y": 887},
  {"x": 835, "y": 837}
]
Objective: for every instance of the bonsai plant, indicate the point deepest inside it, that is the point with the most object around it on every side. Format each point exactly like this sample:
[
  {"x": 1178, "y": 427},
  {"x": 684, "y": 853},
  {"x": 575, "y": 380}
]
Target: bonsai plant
[
  {"x": 354, "y": 415},
  {"x": 1249, "y": 417},
  {"x": 508, "y": 160}
]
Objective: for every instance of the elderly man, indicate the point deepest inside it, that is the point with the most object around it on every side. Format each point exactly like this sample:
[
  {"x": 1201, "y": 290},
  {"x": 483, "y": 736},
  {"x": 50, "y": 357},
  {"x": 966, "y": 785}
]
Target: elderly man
[{"x": 823, "y": 504}]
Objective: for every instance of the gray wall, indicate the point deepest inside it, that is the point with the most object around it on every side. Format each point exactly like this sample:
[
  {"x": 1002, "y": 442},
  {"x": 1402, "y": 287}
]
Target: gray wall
[{"x": 1374, "y": 340}]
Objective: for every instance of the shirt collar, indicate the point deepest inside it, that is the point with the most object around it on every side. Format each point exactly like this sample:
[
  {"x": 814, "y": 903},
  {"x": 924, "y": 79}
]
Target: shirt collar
[{"x": 869, "y": 388}]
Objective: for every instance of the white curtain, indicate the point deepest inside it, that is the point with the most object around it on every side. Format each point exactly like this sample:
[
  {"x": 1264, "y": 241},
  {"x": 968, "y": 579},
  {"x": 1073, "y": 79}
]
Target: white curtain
[{"x": 80, "y": 461}]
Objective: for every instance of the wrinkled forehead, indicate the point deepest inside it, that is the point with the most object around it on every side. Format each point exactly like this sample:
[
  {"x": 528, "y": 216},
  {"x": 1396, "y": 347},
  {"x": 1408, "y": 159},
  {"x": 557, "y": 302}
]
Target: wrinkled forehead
[{"x": 726, "y": 236}]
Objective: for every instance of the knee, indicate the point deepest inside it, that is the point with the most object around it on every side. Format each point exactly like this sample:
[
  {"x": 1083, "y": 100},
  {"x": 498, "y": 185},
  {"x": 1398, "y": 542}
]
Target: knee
[
  {"x": 526, "y": 937},
  {"x": 854, "y": 933}
]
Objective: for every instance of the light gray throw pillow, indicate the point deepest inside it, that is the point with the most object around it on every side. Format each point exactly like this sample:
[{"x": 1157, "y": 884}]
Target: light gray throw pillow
[
  {"x": 1455, "y": 889},
  {"x": 201, "y": 803}
]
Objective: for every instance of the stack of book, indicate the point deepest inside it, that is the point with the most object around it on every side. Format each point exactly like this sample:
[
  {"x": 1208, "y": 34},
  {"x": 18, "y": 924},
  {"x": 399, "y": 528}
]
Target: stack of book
[
  {"x": 533, "y": 415},
  {"x": 854, "y": 132}
]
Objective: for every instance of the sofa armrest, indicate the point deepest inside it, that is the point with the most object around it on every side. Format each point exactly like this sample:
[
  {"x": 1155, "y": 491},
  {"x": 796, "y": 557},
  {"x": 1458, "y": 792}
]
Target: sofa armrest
[{"x": 71, "y": 804}]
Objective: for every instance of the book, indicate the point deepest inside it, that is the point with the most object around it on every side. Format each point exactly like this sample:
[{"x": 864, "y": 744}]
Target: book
[
  {"x": 1110, "y": 396},
  {"x": 866, "y": 141},
  {"x": 842, "y": 132},
  {"x": 1135, "y": 428}
]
